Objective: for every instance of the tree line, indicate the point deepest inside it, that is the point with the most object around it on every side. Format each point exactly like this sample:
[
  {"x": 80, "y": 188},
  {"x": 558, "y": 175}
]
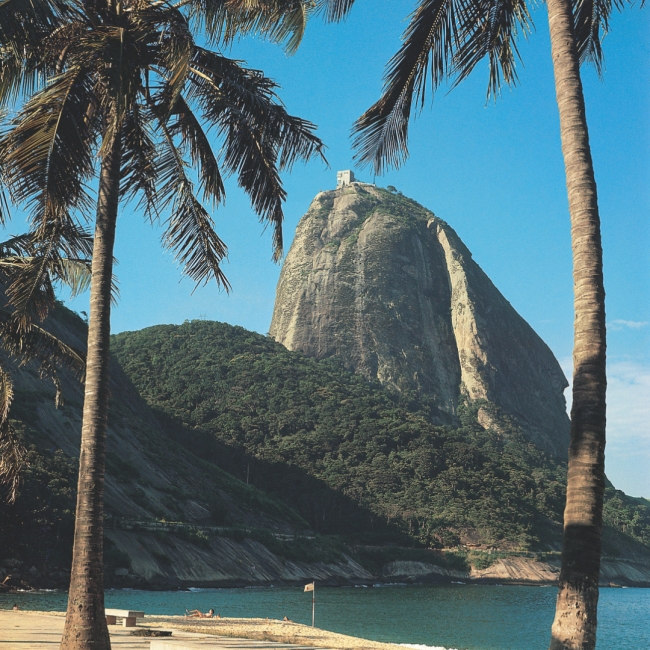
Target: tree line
[{"x": 352, "y": 457}]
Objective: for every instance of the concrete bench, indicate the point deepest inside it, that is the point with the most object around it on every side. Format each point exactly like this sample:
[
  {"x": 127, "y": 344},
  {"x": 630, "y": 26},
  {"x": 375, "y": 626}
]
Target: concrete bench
[{"x": 128, "y": 615}]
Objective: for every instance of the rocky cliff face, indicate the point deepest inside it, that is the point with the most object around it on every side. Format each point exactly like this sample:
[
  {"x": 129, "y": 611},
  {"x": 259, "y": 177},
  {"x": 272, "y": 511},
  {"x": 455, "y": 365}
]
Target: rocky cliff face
[{"x": 380, "y": 282}]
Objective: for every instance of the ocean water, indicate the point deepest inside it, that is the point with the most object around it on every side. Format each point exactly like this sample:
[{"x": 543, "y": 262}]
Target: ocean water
[{"x": 462, "y": 617}]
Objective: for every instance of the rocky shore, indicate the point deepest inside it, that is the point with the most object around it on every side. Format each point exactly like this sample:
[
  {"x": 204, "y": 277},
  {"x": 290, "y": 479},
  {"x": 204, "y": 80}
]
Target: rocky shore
[{"x": 207, "y": 571}]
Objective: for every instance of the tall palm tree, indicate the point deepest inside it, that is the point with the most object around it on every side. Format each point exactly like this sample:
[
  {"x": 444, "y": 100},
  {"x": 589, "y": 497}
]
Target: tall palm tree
[
  {"x": 445, "y": 39},
  {"x": 125, "y": 82}
]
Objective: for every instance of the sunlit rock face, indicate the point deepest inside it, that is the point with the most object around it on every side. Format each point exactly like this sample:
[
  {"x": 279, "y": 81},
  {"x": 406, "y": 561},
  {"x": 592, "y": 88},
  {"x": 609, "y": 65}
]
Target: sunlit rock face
[{"x": 380, "y": 282}]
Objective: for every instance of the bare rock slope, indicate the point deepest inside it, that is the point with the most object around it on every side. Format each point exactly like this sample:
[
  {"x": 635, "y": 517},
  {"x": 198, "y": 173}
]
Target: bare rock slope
[
  {"x": 151, "y": 477},
  {"x": 382, "y": 283}
]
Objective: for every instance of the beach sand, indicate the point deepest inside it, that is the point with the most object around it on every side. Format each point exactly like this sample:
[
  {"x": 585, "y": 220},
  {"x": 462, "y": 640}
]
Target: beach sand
[
  {"x": 42, "y": 631},
  {"x": 264, "y": 629}
]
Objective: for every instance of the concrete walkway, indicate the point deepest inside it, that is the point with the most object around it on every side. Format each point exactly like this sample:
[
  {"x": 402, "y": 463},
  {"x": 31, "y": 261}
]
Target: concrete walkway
[{"x": 43, "y": 630}]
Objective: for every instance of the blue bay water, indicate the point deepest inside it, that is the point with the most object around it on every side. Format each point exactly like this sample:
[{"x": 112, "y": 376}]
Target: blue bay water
[{"x": 465, "y": 617}]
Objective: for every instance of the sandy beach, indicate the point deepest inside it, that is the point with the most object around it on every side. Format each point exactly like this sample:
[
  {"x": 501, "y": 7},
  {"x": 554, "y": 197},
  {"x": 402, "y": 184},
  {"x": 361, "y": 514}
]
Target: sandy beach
[{"x": 29, "y": 630}]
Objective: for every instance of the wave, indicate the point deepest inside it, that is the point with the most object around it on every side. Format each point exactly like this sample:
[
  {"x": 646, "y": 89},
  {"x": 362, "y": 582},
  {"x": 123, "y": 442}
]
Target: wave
[{"x": 419, "y": 646}]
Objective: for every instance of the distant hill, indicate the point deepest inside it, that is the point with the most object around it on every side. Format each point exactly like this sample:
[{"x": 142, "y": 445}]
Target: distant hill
[
  {"x": 150, "y": 478},
  {"x": 352, "y": 457},
  {"x": 232, "y": 462}
]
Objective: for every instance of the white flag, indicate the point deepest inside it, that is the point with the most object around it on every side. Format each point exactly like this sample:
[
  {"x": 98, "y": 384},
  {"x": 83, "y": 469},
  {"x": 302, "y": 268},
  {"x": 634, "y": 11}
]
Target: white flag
[{"x": 309, "y": 587}]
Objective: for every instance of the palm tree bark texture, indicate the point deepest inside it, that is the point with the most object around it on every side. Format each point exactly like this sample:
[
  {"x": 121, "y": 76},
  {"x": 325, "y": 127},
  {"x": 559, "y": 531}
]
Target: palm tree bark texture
[
  {"x": 85, "y": 624},
  {"x": 574, "y": 626}
]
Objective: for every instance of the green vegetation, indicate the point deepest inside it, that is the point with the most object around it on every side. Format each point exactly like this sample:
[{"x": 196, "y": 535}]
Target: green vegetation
[
  {"x": 373, "y": 558},
  {"x": 320, "y": 447},
  {"x": 41, "y": 524},
  {"x": 626, "y": 530},
  {"x": 404, "y": 209},
  {"x": 352, "y": 458}
]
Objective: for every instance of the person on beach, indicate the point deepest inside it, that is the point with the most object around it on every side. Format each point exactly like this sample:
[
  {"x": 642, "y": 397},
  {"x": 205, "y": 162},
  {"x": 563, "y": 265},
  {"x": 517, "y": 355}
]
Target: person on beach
[
  {"x": 195, "y": 613},
  {"x": 15, "y": 608}
]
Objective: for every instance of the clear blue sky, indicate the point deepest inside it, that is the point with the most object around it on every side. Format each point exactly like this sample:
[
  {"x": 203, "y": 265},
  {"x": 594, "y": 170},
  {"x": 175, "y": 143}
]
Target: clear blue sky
[{"x": 494, "y": 172}]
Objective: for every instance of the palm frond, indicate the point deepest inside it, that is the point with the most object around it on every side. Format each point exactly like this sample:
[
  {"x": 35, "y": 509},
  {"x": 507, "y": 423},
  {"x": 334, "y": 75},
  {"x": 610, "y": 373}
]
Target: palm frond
[
  {"x": 280, "y": 21},
  {"x": 490, "y": 28},
  {"x": 176, "y": 44},
  {"x": 25, "y": 22},
  {"x": 115, "y": 60},
  {"x": 12, "y": 452},
  {"x": 201, "y": 155},
  {"x": 591, "y": 24},
  {"x": 12, "y": 459},
  {"x": 75, "y": 274},
  {"x": 38, "y": 52},
  {"x": 6, "y": 393},
  {"x": 254, "y": 159},
  {"x": 30, "y": 262},
  {"x": 219, "y": 82},
  {"x": 30, "y": 291},
  {"x": 260, "y": 137},
  {"x": 19, "y": 76},
  {"x": 138, "y": 160},
  {"x": 4, "y": 203},
  {"x": 47, "y": 154},
  {"x": 20, "y": 245},
  {"x": 335, "y": 10},
  {"x": 36, "y": 344},
  {"x": 286, "y": 23},
  {"x": 189, "y": 231},
  {"x": 381, "y": 133}
]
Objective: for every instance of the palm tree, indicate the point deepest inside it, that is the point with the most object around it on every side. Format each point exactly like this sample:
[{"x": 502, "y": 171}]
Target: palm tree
[
  {"x": 125, "y": 81},
  {"x": 446, "y": 39}
]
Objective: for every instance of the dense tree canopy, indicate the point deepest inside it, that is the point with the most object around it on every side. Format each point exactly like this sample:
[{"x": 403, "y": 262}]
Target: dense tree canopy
[{"x": 306, "y": 430}]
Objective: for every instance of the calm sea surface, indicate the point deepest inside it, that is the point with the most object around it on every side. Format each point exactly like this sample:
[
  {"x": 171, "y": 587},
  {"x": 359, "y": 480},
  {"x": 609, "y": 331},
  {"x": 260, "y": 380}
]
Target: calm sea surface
[{"x": 466, "y": 617}]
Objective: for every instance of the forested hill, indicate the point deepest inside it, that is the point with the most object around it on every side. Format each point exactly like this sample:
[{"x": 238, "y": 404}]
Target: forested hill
[{"x": 352, "y": 458}]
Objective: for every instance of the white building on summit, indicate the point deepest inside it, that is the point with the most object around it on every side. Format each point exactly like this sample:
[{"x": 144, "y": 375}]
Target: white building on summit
[{"x": 344, "y": 177}]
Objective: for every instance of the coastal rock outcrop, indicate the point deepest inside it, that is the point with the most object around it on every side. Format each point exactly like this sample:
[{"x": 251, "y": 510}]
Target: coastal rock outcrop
[
  {"x": 408, "y": 571},
  {"x": 521, "y": 570},
  {"x": 380, "y": 282}
]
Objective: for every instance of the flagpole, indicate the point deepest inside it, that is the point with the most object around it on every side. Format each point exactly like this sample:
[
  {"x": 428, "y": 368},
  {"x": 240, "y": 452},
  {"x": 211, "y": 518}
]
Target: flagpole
[{"x": 312, "y": 587}]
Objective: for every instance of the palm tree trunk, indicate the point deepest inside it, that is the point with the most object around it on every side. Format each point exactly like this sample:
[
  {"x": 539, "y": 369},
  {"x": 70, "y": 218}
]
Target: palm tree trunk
[
  {"x": 85, "y": 624},
  {"x": 575, "y": 617}
]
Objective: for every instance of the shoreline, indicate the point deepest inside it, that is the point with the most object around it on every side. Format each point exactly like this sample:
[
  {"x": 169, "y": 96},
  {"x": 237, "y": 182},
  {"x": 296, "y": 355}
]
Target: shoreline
[
  {"x": 198, "y": 588},
  {"x": 202, "y": 570},
  {"x": 201, "y": 586}
]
